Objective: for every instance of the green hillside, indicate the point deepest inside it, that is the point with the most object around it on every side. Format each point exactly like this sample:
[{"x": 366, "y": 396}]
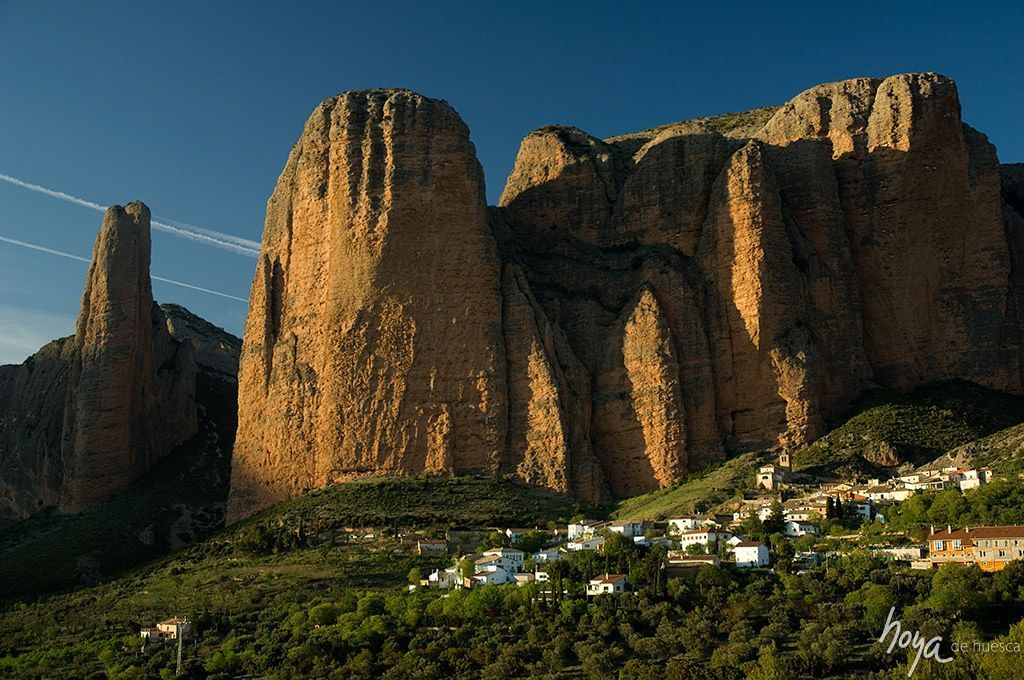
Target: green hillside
[
  {"x": 889, "y": 428},
  {"x": 417, "y": 502},
  {"x": 697, "y": 492}
]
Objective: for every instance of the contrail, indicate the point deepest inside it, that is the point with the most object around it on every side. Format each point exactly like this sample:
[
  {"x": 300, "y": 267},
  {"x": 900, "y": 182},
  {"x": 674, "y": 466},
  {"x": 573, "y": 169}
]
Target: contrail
[
  {"x": 235, "y": 244},
  {"x": 60, "y": 253}
]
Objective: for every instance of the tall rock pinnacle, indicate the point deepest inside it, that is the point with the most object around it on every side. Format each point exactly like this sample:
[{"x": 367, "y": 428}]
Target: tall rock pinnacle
[
  {"x": 373, "y": 343},
  {"x": 84, "y": 417}
]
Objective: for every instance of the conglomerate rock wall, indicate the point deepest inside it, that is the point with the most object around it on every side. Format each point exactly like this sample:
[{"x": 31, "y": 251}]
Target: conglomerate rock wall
[{"x": 635, "y": 308}]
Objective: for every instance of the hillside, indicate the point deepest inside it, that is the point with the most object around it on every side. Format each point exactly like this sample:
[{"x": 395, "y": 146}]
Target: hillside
[
  {"x": 180, "y": 500},
  {"x": 698, "y": 492},
  {"x": 1003, "y": 450},
  {"x": 887, "y": 428},
  {"x": 414, "y": 502}
]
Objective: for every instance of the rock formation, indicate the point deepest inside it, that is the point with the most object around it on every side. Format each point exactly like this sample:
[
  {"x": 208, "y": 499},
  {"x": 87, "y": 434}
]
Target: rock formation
[
  {"x": 374, "y": 342},
  {"x": 635, "y": 307},
  {"x": 86, "y": 415}
]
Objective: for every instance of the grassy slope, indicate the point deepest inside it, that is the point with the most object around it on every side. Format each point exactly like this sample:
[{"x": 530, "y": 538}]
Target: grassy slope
[
  {"x": 418, "y": 501},
  {"x": 705, "y": 489},
  {"x": 49, "y": 554},
  {"x": 918, "y": 425},
  {"x": 295, "y": 550}
]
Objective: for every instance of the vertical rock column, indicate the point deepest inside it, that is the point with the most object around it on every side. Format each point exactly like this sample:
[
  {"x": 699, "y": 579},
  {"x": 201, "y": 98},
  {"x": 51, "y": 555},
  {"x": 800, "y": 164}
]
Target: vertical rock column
[
  {"x": 373, "y": 343},
  {"x": 131, "y": 395}
]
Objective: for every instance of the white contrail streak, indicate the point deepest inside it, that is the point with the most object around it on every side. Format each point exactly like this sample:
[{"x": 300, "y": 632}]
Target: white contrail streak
[
  {"x": 60, "y": 253},
  {"x": 229, "y": 242}
]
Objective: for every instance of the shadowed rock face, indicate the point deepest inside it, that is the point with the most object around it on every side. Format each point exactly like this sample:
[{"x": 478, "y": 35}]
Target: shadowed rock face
[
  {"x": 635, "y": 307},
  {"x": 86, "y": 415}
]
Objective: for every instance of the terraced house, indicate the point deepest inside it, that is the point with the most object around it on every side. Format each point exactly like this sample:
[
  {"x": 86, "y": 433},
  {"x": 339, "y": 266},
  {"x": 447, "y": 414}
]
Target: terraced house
[{"x": 991, "y": 548}]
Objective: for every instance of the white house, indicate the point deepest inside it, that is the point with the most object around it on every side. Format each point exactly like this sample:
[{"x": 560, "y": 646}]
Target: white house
[
  {"x": 751, "y": 554},
  {"x": 794, "y": 529},
  {"x": 884, "y": 492},
  {"x": 628, "y": 528},
  {"x": 582, "y": 529},
  {"x": 493, "y": 563},
  {"x": 706, "y": 537},
  {"x": 681, "y": 524},
  {"x": 609, "y": 583},
  {"x": 515, "y": 556},
  {"x": 586, "y": 544},
  {"x": 548, "y": 555},
  {"x": 495, "y": 577},
  {"x": 171, "y": 629},
  {"x": 972, "y": 479},
  {"x": 441, "y": 578}
]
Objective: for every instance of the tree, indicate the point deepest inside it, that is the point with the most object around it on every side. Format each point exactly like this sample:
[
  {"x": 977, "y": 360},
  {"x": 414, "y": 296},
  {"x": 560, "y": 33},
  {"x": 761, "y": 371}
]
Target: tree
[
  {"x": 467, "y": 567},
  {"x": 957, "y": 589},
  {"x": 776, "y": 522},
  {"x": 532, "y": 541},
  {"x": 876, "y": 599},
  {"x": 415, "y": 576},
  {"x": 751, "y": 527}
]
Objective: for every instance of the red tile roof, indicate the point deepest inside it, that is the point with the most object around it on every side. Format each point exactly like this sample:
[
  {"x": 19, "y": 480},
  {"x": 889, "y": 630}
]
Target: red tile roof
[
  {"x": 609, "y": 578},
  {"x": 979, "y": 532}
]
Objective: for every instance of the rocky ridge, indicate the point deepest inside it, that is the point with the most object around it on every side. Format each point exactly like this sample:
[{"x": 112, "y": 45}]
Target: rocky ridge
[{"x": 635, "y": 307}]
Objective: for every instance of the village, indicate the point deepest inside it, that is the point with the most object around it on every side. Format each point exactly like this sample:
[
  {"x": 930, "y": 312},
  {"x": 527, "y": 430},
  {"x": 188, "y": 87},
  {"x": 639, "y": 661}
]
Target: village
[{"x": 789, "y": 505}]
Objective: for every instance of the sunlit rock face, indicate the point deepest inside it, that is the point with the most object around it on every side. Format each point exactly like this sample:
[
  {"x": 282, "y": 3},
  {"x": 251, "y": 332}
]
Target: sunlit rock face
[{"x": 635, "y": 308}]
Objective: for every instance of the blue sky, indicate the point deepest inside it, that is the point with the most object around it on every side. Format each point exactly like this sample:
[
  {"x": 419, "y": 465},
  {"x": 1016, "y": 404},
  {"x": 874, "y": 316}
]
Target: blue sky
[{"x": 192, "y": 107}]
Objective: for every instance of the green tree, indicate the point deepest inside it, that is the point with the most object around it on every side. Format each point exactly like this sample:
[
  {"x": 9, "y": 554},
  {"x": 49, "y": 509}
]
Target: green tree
[
  {"x": 776, "y": 522},
  {"x": 957, "y": 589}
]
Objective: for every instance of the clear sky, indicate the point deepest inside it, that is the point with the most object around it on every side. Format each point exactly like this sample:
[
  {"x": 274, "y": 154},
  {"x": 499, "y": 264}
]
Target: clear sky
[{"x": 192, "y": 107}]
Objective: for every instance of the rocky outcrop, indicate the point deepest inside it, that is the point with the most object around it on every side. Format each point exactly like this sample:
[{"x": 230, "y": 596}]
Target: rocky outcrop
[
  {"x": 920, "y": 196},
  {"x": 548, "y": 399},
  {"x": 639, "y": 418},
  {"x": 373, "y": 343},
  {"x": 217, "y": 351},
  {"x": 635, "y": 307},
  {"x": 86, "y": 415}
]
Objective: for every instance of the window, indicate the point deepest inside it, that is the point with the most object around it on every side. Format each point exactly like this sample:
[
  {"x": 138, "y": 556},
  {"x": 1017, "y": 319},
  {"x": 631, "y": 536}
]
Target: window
[
  {"x": 1002, "y": 553},
  {"x": 956, "y": 544},
  {"x": 938, "y": 545}
]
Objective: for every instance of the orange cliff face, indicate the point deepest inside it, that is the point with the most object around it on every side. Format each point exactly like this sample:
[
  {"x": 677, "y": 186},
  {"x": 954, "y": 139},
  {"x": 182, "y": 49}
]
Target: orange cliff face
[
  {"x": 374, "y": 342},
  {"x": 635, "y": 308}
]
